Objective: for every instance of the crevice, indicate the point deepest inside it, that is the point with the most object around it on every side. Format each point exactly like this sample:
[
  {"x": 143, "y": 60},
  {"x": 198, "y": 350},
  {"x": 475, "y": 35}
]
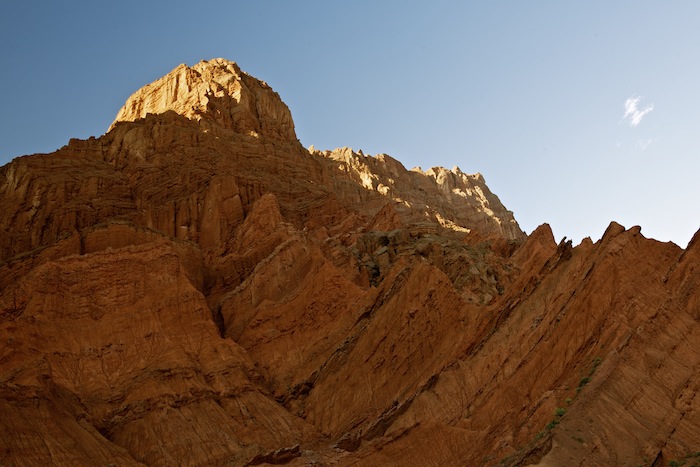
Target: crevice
[{"x": 279, "y": 457}]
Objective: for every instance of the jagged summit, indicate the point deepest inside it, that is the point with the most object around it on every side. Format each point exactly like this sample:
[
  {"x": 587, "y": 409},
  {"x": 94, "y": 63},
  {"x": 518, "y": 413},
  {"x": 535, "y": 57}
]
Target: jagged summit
[
  {"x": 196, "y": 288},
  {"x": 217, "y": 94},
  {"x": 454, "y": 199},
  {"x": 225, "y": 100}
]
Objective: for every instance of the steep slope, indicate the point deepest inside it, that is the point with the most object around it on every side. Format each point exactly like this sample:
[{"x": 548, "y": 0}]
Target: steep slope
[
  {"x": 219, "y": 96},
  {"x": 195, "y": 287},
  {"x": 589, "y": 361}
]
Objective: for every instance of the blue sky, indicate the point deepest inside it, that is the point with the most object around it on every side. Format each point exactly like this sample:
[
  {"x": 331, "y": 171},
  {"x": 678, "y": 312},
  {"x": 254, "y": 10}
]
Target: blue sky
[{"x": 576, "y": 113}]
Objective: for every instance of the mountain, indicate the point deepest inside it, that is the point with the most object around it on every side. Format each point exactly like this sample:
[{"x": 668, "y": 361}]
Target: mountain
[{"x": 197, "y": 288}]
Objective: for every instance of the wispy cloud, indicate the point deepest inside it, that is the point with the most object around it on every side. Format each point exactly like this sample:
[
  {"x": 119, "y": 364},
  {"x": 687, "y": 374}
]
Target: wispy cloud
[
  {"x": 633, "y": 113},
  {"x": 642, "y": 144}
]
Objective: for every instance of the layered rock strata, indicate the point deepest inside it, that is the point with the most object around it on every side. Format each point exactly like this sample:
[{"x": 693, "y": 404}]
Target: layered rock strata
[{"x": 196, "y": 288}]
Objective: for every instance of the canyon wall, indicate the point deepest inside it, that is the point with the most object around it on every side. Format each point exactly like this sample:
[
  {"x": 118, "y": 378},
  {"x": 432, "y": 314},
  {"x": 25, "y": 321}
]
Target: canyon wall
[{"x": 195, "y": 287}]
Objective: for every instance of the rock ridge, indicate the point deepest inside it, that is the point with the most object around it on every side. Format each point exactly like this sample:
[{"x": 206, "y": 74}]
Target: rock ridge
[
  {"x": 195, "y": 287},
  {"x": 452, "y": 198}
]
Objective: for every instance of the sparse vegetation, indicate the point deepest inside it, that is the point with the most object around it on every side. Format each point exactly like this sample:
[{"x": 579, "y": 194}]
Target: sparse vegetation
[
  {"x": 691, "y": 460},
  {"x": 581, "y": 384},
  {"x": 587, "y": 379},
  {"x": 558, "y": 414}
]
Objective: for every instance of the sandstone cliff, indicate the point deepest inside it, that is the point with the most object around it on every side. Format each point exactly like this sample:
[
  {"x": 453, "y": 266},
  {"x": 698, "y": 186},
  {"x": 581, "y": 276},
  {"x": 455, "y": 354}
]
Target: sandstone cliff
[
  {"x": 196, "y": 288},
  {"x": 218, "y": 95}
]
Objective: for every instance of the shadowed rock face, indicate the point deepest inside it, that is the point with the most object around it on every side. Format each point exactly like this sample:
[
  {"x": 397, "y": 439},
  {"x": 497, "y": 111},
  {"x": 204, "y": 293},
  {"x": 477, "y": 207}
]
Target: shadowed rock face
[{"x": 194, "y": 287}]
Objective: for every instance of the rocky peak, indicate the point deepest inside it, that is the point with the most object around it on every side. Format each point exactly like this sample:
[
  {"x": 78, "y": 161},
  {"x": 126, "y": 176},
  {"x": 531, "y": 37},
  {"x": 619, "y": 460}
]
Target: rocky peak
[
  {"x": 218, "y": 95},
  {"x": 452, "y": 198},
  {"x": 182, "y": 291},
  {"x": 225, "y": 100}
]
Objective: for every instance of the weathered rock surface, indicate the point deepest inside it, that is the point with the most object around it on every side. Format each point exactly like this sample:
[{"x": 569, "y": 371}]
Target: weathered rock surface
[
  {"x": 449, "y": 198},
  {"x": 196, "y": 288},
  {"x": 219, "y": 96}
]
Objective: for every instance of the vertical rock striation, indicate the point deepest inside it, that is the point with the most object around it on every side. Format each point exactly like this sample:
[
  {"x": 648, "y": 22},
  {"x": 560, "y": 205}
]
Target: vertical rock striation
[{"x": 196, "y": 288}]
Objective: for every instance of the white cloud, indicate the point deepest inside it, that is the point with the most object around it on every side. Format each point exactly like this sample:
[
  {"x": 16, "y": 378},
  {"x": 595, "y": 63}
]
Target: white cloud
[
  {"x": 643, "y": 144},
  {"x": 633, "y": 114}
]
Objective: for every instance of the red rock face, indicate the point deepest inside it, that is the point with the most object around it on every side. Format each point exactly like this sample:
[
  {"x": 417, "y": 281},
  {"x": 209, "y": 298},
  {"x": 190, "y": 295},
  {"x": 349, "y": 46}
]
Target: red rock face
[{"x": 194, "y": 287}]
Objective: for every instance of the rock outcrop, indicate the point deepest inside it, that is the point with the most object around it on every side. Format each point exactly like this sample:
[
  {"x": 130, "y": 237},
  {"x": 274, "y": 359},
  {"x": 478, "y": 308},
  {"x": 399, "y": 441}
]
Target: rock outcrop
[
  {"x": 449, "y": 198},
  {"x": 196, "y": 288},
  {"x": 218, "y": 95}
]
